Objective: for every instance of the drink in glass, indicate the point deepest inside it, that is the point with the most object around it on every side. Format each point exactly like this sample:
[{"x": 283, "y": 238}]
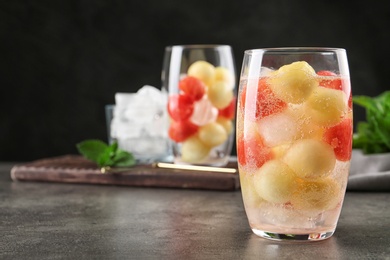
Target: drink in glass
[
  {"x": 294, "y": 140},
  {"x": 200, "y": 81}
]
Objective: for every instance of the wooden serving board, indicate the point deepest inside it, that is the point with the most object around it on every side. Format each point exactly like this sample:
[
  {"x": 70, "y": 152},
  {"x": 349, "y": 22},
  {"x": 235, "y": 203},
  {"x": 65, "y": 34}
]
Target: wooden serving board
[{"x": 77, "y": 169}]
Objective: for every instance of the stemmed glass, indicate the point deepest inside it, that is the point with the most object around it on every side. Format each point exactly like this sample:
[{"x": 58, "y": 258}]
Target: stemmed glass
[{"x": 294, "y": 140}]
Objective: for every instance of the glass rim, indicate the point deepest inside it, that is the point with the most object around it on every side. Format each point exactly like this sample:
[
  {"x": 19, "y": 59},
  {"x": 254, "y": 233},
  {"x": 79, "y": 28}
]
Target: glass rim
[
  {"x": 197, "y": 46},
  {"x": 295, "y": 50}
]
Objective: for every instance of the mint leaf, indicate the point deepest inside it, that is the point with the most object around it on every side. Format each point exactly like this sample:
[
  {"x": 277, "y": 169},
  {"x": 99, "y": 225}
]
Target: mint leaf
[
  {"x": 106, "y": 158},
  {"x": 123, "y": 159},
  {"x": 373, "y": 136},
  {"x": 92, "y": 149},
  {"x": 105, "y": 155}
]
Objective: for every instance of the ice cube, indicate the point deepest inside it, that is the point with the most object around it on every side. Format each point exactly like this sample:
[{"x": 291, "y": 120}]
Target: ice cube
[
  {"x": 122, "y": 99},
  {"x": 278, "y": 129},
  {"x": 123, "y": 130},
  {"x": 204, "y": 112},
  {"x": 153, "y": 95},
  {"x": 140, "y": 113},
  {"x": 143, "y": 106},
  {"x": 158, "y": 127},
  {"x": 143, "y": 147},
  {"x": 140, "y": 124},
  {"x": 121, "y": 102}
]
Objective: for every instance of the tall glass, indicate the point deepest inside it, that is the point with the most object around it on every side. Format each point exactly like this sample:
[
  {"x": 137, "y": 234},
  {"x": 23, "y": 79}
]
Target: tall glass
[
  {"x": 201, "y": 83},
  {"x": 294, "y": 140}
]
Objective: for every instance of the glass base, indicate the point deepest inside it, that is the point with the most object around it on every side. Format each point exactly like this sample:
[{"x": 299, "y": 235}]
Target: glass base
[{"x": 293, "y": 237}]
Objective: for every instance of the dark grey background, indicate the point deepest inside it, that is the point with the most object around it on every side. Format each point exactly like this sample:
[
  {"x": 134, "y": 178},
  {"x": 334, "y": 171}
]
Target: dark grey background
[{"x": 61, "y": 62}]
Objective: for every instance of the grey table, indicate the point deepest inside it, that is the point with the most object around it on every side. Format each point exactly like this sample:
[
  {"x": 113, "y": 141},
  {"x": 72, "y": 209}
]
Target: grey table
[{"x": 66, "y": 221}]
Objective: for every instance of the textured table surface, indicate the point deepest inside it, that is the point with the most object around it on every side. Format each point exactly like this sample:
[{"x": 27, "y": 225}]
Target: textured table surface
[{"x": 74, "y": 221}]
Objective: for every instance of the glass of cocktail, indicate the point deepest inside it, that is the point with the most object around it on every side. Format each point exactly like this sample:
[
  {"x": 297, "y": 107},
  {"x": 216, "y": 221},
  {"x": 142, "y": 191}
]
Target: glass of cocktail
[
  {"x": 201, "y": 85},
  {"x": 294, "y": 140}
]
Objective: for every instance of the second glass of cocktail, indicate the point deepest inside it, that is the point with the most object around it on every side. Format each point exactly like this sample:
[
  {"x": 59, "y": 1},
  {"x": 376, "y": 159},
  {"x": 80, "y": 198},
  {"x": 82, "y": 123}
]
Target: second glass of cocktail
[
  {"x": 201, "y": 85},
  {"x": 294, "y": 140}
]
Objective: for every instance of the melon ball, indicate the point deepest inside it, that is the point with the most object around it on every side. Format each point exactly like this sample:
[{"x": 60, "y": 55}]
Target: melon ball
[
  {"x": 212, "y": 134},
  {"x": 203, "y": 71},
  {"x": 280, "y": 150},
  {"x": 327, "y": 106},
  {"x": 249, "y": 193},
  {"x": 293, "y": 83},
  {"x": 310, "y": 158},
  {"x": 309, "y": 130},
  {"x": 194, "y": 151},
  {"x": 306, "y": 128},
  {"x": 321, "y": 194},
  {"x": 223, "y": 74},
  {"x": 226, "y": 123},
  {"x": 220, "y": 95},
  {"x": 275, "y": 182}
]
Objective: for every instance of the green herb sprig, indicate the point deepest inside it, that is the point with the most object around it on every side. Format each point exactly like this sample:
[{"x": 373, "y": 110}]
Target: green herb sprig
[
  {"x": 105, "y": 155},
  {"x": 373, "y": 136}
]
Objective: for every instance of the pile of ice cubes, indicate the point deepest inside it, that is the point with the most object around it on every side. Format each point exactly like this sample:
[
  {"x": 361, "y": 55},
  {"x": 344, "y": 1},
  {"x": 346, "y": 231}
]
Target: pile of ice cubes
[{"x": 140, "y": 124}]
